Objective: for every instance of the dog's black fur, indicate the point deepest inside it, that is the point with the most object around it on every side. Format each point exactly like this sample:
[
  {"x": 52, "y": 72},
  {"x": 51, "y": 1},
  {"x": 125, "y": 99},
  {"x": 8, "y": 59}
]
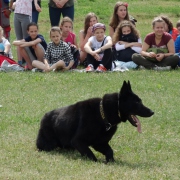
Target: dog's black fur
[{"x": 82, "y": 124}]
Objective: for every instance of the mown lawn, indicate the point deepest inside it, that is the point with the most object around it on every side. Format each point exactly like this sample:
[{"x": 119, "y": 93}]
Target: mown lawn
[{"x": 26, "y": 96}]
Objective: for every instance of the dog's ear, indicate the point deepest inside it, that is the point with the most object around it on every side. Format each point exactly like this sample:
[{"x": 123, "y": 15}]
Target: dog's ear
[
  {"x": 129, "y": 86},
  {"x": 124, "y": 89}
]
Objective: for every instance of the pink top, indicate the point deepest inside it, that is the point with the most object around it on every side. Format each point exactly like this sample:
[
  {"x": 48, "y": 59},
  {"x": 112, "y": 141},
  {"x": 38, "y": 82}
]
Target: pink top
[
  {"x": 70, "y": 38},
  {"x": 24, "y": 7}
]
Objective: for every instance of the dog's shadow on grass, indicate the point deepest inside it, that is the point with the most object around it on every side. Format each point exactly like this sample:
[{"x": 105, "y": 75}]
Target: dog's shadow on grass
[{"x": 74, "y": 155}]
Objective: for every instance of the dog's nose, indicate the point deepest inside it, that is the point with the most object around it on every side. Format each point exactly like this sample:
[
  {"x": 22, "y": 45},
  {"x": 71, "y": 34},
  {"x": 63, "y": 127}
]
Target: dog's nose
[{"x": 152, "y": 113}]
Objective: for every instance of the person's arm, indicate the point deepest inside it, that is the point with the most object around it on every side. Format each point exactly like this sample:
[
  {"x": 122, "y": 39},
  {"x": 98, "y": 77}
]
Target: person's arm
[
  {"x": 46, "y": 65},
  {"x": 37, "y": 6},
  {"x": 171, "y": 48},
  {"x": 18, "y": 42},
  {"x": 144, "y": 52},
  {"x": 11, "y": 4},
  {"x": 31, "y": 43},
  {"x": 88, "y": 49},
  {"x": 130, "y": 44},
  {"x": 107, "y": 45},
  {"x": 7, "y": 48},
  {"x": 138, "y": 47},
  {"x": 82, "y": 40},
  {"x": 119, "y": 47}
]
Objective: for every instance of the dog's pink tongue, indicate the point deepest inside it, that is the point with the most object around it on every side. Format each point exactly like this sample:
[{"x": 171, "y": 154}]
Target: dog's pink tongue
[{"x": 138, "y": 125}]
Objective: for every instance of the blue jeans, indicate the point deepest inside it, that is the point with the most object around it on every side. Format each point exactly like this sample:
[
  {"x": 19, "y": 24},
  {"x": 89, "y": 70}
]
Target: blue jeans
[
  {"x": 55, "y": 14},
  {"x": 129, "y": 65},
  {"x": 35, "y": 15}
]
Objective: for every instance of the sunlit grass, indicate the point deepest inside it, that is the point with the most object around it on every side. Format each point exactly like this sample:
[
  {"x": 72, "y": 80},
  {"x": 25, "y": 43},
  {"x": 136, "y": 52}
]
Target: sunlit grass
[{"x": 25, "y": 97}]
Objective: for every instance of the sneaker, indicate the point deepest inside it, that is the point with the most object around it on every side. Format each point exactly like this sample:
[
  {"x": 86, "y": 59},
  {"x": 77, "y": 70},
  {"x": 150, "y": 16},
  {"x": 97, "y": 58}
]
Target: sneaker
[
  {"x": 36, "y": 70},
  {"x": 101, "y": 68},
  {"x": 158, "y": 68},
  {"x": 118, "y": 69},
  {"x": 90, "y": 68},
  {"x": 26, "y": 68},
  {"x": 141, "y": 67}
]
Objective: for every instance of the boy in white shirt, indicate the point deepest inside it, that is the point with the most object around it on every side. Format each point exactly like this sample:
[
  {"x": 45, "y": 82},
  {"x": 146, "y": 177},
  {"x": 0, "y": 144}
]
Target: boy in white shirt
[{"x": 98, "y": 48}]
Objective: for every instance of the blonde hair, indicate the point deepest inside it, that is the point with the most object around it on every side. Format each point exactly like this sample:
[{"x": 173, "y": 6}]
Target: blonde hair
[
  {"x": 157, "y": 19},
  {"x": 54, "y": 29},
  {"x": 118, "y": 32},
  {"x": 66, "y": 19}
]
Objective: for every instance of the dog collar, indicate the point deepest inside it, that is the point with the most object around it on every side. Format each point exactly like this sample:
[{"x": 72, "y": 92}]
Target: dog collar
[{"x": 108, "y": 125}]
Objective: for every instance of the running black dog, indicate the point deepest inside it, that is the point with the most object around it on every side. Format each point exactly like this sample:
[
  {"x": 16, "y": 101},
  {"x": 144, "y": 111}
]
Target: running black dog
[{"x": 92, "y": 122}]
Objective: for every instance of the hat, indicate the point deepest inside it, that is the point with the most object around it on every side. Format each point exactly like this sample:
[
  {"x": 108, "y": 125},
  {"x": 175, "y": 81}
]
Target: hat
[{"x": 98, "y": 26}]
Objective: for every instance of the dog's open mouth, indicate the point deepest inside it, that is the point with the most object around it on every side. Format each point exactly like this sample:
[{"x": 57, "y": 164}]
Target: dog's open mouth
[{"x": 136, "y": 122}]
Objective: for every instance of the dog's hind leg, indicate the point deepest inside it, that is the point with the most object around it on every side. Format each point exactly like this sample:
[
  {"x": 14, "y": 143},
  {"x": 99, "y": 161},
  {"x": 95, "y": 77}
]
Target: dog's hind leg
[
  {"x": 106, "y": 150},
  {"x": 83, "y": 149}
]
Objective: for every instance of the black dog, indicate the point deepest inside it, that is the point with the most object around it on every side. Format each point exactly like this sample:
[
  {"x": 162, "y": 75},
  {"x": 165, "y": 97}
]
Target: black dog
[{"x": 92, "y": 122}]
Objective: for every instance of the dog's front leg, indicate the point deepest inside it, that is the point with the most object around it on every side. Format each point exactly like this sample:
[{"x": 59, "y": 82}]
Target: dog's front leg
[
  {"x": 106, "y": 150},
  {"x": 83, "y": 149}
]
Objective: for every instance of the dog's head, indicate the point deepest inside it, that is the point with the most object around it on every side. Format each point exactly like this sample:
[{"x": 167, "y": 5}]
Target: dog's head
[{"x": 131, "y": 105}]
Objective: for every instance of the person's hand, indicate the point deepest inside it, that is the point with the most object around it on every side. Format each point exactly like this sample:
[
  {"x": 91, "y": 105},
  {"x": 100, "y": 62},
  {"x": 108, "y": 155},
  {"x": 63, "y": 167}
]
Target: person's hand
[
  {"x": 38, "y": 8},
  {"x": 122, "y": 42},
  {"x": 152, "y": 55},
  {"x": 72, "y": 45},
  {"x": 60, "y": 3},
  {"x": 6, "y": 12},
  {"x": 89, "y": 31},
  {"x": 96, "y": 56},
  {"x": 47, "y": 68},
  {"x": 159, "y": 56}
]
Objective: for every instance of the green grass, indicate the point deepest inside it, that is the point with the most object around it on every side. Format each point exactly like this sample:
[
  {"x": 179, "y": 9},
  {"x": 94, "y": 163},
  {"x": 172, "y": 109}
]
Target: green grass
[{"x": 25, "y": 97}]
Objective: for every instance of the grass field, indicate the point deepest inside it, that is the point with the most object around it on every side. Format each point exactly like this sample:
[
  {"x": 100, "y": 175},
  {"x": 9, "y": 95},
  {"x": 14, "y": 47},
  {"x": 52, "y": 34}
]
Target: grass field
[{"x": 26, "y": 96}]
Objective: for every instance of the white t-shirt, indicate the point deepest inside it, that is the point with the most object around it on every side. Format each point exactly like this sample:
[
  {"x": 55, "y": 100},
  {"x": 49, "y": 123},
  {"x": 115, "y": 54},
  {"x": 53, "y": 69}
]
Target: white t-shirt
[{"x": 96, "y": 44}]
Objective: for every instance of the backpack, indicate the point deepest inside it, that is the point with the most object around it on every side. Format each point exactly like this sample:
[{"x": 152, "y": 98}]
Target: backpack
[
  {"x": 76, "y": 55},
  {"x": 10, "y": 61}
]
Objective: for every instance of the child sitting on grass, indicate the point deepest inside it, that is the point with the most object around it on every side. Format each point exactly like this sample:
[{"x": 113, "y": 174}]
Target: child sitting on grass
[
  {"x": 69, "y": 37},
  {"x": 32, "y": 47},
  {"x": 127, "y": 41},
  {"x": 5, "y": 46},
  {"x": 58, "y": 54},
  {"x": 98, "y": 48}
]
